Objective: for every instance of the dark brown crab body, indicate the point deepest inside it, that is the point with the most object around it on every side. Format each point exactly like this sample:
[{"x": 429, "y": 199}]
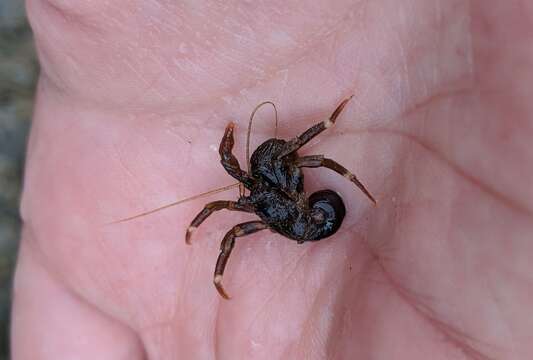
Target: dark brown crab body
[
  {"x": 276, "y": 184},
  {"x": 279, "y": 200}
]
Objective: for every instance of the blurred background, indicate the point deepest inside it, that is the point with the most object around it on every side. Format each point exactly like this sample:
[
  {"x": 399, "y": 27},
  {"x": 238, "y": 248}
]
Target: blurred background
[{"x": 18, "y": 74}]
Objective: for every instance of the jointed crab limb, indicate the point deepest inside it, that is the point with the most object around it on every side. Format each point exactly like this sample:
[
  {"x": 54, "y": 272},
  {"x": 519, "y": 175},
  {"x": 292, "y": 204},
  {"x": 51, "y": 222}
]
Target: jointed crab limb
[
  {"x": 314, "y": 161},
  {"x": 228, "y": 160},
  {"x": 209, "y": 209},
  {"x": 299, "y": 141},
  {"x": 226, "y": 247}
]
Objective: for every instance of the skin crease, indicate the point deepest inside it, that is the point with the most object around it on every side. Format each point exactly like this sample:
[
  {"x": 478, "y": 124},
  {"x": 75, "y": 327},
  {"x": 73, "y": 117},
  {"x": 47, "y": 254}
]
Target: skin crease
[{"x": 131, "y": 105}]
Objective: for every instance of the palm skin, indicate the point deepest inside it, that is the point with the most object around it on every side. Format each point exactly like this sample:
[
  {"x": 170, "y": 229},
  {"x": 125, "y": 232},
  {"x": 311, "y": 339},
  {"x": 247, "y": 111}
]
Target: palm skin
[{"x": 131, "y": 106}]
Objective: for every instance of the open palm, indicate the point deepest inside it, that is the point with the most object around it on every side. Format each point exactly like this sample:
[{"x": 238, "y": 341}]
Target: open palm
[{"x": 131, "y": 106}]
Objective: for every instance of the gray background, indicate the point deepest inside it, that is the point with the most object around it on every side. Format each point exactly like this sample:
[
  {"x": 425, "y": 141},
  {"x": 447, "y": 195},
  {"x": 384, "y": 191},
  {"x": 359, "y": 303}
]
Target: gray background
[{"x": 18, "y": 73}]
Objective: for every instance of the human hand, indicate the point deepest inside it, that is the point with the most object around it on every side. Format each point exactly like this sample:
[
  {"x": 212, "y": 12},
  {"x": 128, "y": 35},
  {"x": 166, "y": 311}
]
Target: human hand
[{"x": 131, "y": 106}]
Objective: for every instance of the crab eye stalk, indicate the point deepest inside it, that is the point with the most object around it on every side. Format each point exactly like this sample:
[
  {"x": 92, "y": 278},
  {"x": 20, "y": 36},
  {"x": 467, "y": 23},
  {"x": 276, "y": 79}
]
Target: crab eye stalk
[{"x": 327, "y": 211}]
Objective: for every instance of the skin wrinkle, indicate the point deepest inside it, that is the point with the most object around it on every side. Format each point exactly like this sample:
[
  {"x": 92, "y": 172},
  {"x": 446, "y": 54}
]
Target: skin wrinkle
[
  {"x": 181, "y": 300},
  {"x": 268, "y": 75},
  {"x": 92, "y": 31},
  {"x": 119, "y": 159},
  {"x": 34, "y": 245},
  {"x": 403, "y": 59},
  {"x": 441, "y": 96},
  {"x": 485, "y": 188},
  {"x": 189, "y": 79},
  {"x": 347, "y": 314},
  {"x": 161, "y": 345},
  {"x": 452, "y": 335},
  {"x": 341, "y": 309},
  {"x": 40, "y": 260},
  {"x": 501, "y": 198},
  {"x": 363, "y": 277},
  {"x": 70, "y": 8},
  {"x": 413, "y": 299},
  {"x": 171, "y": 131},
  {"x": 308, "y": 337},
  {"x": 325, "y": 339},
  {"x": 152, "y": 85},
  {"x": 37, "y": 255},
  {"x": 496, "y": 301},
  {"x": 82, "y": 19},
  {"x": 133, "y": 296},
  {"x": 128, "y": 63},
  {"x": 191, "y": 267},
  {"x": 212, "y": 75},
  {"x": 296, "y": 265}
]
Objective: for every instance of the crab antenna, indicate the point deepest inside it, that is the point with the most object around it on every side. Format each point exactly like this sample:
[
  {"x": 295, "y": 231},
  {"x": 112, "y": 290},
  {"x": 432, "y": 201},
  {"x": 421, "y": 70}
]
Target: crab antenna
[
  {"x": 210, "y": 192},
  {"x": 250, "y": 129}
]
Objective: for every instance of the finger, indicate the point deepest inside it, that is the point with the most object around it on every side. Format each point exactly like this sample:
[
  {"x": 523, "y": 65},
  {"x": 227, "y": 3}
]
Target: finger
[{"x": 50, "y": 322}]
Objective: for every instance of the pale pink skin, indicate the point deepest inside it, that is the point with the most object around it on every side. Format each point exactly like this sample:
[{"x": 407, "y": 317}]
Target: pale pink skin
[{"x": 132, "y": 103}]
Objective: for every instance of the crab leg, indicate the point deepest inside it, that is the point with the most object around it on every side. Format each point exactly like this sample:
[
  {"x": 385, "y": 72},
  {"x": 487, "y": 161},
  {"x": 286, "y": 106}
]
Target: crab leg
[
  {"x": 226, "y": 247},
  {"x": 299, "y": 141},
  {"x": 228, "y": 160},
  {"x": 314, "y": 161},
  {"x": 209, "y": 209}
]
